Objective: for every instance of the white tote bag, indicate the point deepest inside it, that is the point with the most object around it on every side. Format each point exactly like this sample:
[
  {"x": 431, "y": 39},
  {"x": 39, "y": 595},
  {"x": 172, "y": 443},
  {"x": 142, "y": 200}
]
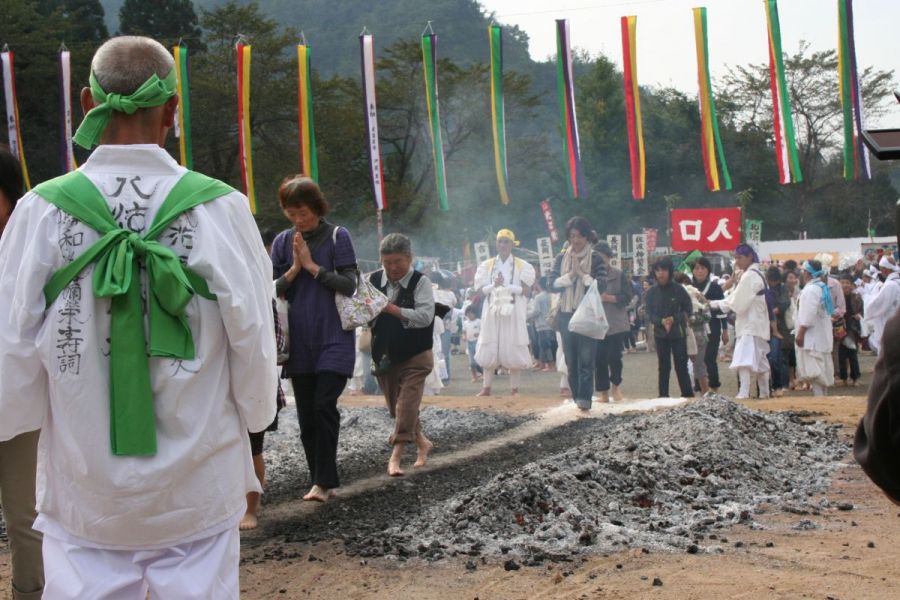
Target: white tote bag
[{"x": 590, "y": 319}]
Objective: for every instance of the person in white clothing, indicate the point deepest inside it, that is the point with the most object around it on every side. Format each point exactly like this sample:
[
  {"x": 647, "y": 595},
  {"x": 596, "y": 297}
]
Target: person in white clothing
[
  {"x": 883, "y": 305},
  {"x": 752, "y": 324},
  {"x": 814, "y": 332},
  {"x": 503, "y": 341},
  {"x": 154, "y": 504}
]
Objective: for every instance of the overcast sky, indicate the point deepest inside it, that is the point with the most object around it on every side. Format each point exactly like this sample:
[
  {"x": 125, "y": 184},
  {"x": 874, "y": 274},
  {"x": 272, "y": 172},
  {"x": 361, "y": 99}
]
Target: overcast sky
[{"x": 737, "y": 33}]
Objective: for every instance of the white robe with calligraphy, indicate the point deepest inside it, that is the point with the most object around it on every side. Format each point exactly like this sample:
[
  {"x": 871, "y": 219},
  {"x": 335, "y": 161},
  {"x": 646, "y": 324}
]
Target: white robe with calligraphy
[
  {"x": 55, "y": 366},
  {"x": 504, "y": 337},
  {"x": 814, "y": 362},
  {"x": 751, "y": 323}
]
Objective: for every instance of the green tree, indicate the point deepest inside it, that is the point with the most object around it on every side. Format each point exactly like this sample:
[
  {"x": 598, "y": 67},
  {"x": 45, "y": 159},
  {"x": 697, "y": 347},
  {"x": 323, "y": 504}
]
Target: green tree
[
  {"x": 164, "y": 20},
  {"x": 79, "y": 20}
]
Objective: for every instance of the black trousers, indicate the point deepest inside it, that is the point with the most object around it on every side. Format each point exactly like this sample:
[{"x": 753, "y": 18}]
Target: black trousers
[
  {"x": 665, "y": 350},
  {"x": 846, "y": 355},
  {"x": 609, "y": 361},
  {"x": 711, "y": 358},
  {"x": 316, "y": 395}
]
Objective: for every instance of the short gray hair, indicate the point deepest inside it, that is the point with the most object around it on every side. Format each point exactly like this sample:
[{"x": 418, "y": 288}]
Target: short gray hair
[
  {"x": 122, "y": 64},
  {"x": 396, "y": 243}
]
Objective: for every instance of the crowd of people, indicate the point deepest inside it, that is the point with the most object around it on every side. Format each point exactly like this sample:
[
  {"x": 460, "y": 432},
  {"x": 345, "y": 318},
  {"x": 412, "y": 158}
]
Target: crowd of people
[{"x": 142, "y": 300}]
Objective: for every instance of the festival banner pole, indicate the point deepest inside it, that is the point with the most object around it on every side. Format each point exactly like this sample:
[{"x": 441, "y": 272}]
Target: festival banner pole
[
  {"x": 67, "y": 153},
  {"x": 309, "y": 160},
  {"x": 183, "y": 123},
  {"x": 244, "y": 130},
  {"x": 7, "y": 59},
  {"x": 633, "y": 109},
  {"x": 568, "y": 122},
  {"x": 498, "y": 117},
  {"x": 856, "y": 155},
  {"x": 785, "y": 141},
  {"x": 429, "y": 65},
  {"x": 710, "y": 140},
  {"x": 376, "y": 174}
]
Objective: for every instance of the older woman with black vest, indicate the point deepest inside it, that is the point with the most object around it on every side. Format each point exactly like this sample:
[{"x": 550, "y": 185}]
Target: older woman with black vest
[{"x": 401, "y": 346}]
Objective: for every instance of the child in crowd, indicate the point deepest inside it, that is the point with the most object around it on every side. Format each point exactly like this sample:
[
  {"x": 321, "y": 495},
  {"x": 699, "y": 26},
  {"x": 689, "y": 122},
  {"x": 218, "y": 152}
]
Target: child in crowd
[{"x": 471, "y": 330}]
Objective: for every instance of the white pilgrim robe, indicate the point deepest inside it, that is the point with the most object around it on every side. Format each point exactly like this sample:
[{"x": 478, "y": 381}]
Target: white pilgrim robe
[
  {"x": 814, "y": 362},
  {"x": 55, "y": 366},
  {"x": 503, "y": 341},
  {"x": 751, "y": 324},
  {"x": 882, "y": 307}
]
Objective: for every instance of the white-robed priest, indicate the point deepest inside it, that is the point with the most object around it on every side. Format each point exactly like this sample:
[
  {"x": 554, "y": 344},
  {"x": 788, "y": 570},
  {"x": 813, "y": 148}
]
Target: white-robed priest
[{"x": 138, "y": 337}]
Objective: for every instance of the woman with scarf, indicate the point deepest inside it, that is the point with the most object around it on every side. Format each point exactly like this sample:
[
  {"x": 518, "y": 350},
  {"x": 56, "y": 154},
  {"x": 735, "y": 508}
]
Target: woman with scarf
[
  {"x": 575, "y": 269},
  {"x": 313, "y": 260},
  {"x": 718, "y": 327},
  {"x": 814, "y": 332}
]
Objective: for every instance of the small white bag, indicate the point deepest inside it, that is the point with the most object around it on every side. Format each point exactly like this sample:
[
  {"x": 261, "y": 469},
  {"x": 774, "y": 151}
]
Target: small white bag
[
  {"x": 281, "y": 313},
  {"x": 589, "y": 318}
]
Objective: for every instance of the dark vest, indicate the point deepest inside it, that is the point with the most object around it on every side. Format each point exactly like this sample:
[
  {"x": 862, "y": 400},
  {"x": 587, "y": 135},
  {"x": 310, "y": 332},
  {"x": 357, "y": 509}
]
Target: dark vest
[{"x": 389, "y": 336}]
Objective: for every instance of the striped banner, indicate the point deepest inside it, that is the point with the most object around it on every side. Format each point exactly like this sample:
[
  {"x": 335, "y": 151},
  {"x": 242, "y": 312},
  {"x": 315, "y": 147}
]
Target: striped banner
[
  {"x": 856, "y": 155},
  {"x": 785, "y": 142},
  {"x": 244, "y": 133},
  {"x": 12, "y": 111},
  {"x": 309, "y": 161},
  {"x": 367, "y": 50},
  {"x": 429, "y": 64},
  {"x": 633, "y": 109},
  {"x": 710, "y": 141},
  {"x": 66, "y": 152},
  {"x": 565, "y": 85},
  {"x": 498, "y": 117},
  {"x": 183, "y": 122}
]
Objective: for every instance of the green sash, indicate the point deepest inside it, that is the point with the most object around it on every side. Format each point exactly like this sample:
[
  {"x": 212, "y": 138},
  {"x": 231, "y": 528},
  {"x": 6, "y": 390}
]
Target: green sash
[{"x": 132, "y": 420}]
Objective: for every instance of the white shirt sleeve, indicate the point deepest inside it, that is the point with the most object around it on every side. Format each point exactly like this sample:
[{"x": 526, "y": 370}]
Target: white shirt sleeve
[
  {"x": 231, "y": 257},
  {"x": 28, "y": 258}
]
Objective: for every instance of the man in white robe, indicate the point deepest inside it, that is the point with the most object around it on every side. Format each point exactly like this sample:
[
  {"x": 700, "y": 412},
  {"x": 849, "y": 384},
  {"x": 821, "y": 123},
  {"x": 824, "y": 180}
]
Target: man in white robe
[
  {"x": 752, "y": 327},
  {"x": 503, "y": 342},
  {"x": 119, "y": 523},
  {"x": 814, "y": 331},
  {"x": 880, "y": 307}
]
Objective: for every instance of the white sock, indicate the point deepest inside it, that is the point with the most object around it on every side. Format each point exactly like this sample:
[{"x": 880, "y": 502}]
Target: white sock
[{"x": 744, "y": 378}]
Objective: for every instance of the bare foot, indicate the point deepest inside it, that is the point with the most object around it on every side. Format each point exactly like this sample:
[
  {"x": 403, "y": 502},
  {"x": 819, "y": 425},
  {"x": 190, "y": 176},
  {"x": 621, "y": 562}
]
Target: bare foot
[
  {"x": 318, "y": 494},
  {"x": 565, "y": 392},
  {"x": 484, "y": 392},
  {"x": 248, "y": 522},
  {"x": 583, "y": 413},
  {"x": 616, "y": 393},
  {"x": 394, "y": 469},
  {"x": 423, "y": 449},
  {"x": 514, "y": 392}
]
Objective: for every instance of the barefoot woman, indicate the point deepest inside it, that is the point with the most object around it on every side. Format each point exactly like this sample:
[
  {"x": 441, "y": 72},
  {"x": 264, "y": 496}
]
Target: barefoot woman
[{"x": 401, "y": 345}]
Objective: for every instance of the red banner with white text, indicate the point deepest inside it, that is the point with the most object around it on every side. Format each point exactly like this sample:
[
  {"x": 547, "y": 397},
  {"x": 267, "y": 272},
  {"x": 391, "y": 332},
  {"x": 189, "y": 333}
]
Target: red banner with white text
[{"x": 705, "y": 229}]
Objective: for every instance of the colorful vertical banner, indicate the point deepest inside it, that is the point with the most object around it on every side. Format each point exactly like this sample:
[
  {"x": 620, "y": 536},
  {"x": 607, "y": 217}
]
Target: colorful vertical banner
[
  {"x": 367, "y": 49},
  {"x": 309, "y": 160},
  {"x": 856, "y": 155},
  {"x": 710, "y": 140},
  {"x": 633, "y": 109},
  {"x": 565, "y": 85},
  {"x": 66, "y": 151},
  {"x": 785, "y": 142},
  {"x": 548, "y": 217},
  {"x": 429, "y": 64},
  {"x": 183, "y": 123},
  {"x": 244, "y": 132},
  {"x": 498, "y": 116},
  {"x": 14, "y": 126}
]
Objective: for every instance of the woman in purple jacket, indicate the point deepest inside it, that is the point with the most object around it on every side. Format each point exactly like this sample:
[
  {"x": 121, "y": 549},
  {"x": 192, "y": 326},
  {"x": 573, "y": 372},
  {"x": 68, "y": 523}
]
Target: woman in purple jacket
[{"x": 313, "y": 260}]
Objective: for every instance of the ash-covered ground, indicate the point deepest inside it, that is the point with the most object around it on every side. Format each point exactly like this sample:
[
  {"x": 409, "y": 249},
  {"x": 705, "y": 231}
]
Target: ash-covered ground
[{"x": 663, "y": 481}]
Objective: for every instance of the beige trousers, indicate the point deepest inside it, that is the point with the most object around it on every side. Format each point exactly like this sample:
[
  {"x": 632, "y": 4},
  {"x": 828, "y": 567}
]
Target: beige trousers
[
  {"x": 403, "y": 385},
  {"x": 18, "y": 463}
]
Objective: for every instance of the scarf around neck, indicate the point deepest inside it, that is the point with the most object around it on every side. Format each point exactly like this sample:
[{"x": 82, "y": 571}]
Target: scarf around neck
[{"x": 575, "y": 264}]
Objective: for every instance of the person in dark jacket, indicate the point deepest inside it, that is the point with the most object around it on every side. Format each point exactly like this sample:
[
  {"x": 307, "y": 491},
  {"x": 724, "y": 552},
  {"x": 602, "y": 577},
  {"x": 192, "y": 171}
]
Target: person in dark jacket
[
  {"x": 781, "y": 302},
  {"x": 616, "y": 298},
  {"x": 718, "y": 328},
  {"x": 575, "y": 269},
  {"x": 668, "y": 308}
]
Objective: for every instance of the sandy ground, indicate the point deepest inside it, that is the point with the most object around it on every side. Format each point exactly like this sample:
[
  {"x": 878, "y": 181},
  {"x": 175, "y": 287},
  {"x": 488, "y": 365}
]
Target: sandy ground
[{"x": 851, "y": 554}]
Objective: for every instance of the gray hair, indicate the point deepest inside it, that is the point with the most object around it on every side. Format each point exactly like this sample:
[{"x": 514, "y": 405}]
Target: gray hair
[
  {"x": 396, "y": 243},
  {"x": 122, "y": 64}
]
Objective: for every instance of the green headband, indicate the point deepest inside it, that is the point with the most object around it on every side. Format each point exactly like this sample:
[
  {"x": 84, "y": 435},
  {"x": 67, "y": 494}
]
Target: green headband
[{"x": 154, "y": 92}]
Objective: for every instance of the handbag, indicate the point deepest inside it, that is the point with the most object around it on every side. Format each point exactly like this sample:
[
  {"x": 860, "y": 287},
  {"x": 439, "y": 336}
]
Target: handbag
[
  {"x": 589, "y": 319},
  {"x": 363, "y": 306},
  {"x": 839, "y": 329}
]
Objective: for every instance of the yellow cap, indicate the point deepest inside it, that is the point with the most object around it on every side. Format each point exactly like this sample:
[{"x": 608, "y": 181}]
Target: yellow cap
[{"x": 508, "y": 234}]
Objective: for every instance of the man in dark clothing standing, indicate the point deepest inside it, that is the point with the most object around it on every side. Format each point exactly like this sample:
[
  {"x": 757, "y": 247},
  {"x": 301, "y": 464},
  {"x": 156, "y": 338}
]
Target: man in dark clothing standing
[{"x": 668, "y": 308}]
